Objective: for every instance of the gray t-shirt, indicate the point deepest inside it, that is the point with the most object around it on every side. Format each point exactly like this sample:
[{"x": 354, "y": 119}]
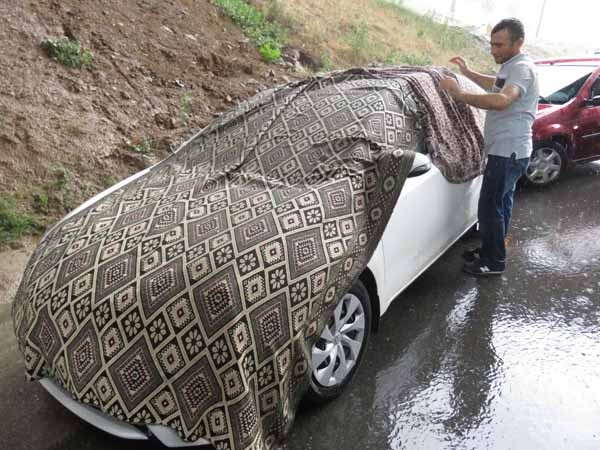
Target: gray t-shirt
[{"x": 509, "y": 131}]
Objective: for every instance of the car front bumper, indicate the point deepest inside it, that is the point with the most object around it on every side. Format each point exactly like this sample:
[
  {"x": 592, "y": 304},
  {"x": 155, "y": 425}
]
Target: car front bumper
[{"x": 110, "y": 425}]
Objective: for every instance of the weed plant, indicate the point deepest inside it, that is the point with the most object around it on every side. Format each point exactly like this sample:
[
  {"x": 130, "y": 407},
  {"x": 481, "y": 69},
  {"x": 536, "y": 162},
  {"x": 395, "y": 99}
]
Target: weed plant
[{"x": 68, "y": 52}]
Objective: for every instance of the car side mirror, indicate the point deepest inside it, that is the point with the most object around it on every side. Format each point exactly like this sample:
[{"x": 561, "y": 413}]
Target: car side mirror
[
  {"x": 421, "y": 165},
  {"x": 594, "y": 101}
]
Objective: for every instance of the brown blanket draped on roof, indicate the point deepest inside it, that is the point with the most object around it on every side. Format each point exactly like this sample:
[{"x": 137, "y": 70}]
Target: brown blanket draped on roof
[
  {"x": 191, "y": 296},
  {"x": 453, "y": 130}
]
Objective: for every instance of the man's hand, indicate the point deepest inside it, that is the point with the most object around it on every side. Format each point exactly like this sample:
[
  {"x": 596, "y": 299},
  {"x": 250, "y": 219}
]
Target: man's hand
[
  {"x": 462, "y": 64},
  {"x": 451, "y": 87},
  {"x": 484, "y": 81}
]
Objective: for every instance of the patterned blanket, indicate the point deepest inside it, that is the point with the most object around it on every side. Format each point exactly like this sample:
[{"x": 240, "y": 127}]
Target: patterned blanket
[
  {"x": 452, "y": 130},
  {"x": 192, "y": 296}
]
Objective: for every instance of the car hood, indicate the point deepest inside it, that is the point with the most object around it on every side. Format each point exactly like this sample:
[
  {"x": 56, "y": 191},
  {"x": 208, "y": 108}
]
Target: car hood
[{"x": 546, "y": 110}]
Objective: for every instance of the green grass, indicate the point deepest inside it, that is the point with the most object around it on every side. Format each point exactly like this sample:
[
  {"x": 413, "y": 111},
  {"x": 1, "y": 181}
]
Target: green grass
[
  {"x": 67, "y": 52},
  {"x": 359, "y": 41},
  {"x": 273, "y": 10},
  {"x": 41, "y": 202},
  {"x": 59, "y": 191},
  {"x": 412, "y": 59},
  {"x": 63, "y": 177},
  {"x": 185, "y": 106},
  {"x": 14, "y": 224},
  {"x": 445, "y": 38},
  {"x": 269, "y": 53},
  {"x": 326, "y": 63},
  {"x": 109, "y": 181},
  {"x": 268, "y": 36},
  {"x": 361, "y": 32},
  {"x": 142, "y": 147}
]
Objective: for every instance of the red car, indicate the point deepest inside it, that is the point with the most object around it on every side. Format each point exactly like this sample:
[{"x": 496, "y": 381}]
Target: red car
[{"x": 567, "y": 127}]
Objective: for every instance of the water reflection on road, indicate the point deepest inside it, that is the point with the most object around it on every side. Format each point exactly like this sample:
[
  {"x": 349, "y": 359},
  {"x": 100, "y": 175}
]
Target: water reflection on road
[{"x": 511, "y": 362}]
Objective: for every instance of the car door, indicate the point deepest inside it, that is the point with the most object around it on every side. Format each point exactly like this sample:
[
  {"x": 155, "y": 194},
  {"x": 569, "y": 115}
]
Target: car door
[
  {"x": 429, "y": 216},
  {"x": 586, "y": 131}
]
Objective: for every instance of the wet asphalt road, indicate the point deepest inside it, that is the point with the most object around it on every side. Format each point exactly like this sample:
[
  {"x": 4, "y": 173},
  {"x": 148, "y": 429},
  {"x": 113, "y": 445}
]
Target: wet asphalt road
[{"x": 458, "y": 363}]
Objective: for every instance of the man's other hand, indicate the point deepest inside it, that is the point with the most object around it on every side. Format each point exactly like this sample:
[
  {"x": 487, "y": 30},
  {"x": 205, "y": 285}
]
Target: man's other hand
[{"x": 461, "y": 63}]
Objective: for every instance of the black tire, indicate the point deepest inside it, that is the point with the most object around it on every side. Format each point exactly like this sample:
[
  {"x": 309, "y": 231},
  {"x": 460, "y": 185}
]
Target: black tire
[
  {"x": 547, "y": 163},
  {"x": 318, "y": 393}
]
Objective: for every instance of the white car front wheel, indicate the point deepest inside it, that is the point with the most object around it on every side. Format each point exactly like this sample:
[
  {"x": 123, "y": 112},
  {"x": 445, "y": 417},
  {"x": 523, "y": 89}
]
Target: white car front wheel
[{"x": 337, "y": 353}]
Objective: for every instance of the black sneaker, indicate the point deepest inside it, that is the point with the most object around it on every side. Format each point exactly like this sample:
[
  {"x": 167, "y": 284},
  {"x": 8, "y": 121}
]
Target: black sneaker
[
  {"x": 482, "y": 269},
  {"x": 470, "y": 256}
]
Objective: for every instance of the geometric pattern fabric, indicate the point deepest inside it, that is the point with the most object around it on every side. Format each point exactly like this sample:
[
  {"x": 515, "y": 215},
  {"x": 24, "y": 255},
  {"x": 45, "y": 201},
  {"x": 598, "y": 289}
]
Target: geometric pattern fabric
[{"x": 190, "y": 296}]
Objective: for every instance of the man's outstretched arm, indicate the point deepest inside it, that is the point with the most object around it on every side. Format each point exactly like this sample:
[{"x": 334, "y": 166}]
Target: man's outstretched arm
[
  {"x": 485, "y": 82},
  {"x": 496, "y": 101}
]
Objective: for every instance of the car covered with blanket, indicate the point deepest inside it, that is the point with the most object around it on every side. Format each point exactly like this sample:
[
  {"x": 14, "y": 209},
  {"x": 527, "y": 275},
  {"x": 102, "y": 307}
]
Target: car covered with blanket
[{"x": 200, "y": 300}]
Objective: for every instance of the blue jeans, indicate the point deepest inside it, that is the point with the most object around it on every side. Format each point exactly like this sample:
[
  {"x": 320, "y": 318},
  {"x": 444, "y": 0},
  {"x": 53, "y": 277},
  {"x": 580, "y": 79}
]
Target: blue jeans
[{"x": 495, "y": 206}]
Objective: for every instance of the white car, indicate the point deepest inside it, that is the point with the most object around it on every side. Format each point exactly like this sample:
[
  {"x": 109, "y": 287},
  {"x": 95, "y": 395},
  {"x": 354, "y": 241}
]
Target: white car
[{"x": 441, "y": 212}]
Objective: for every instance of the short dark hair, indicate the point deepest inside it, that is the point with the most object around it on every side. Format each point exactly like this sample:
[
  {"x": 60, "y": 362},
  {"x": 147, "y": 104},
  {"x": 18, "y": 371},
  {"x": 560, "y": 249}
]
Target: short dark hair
[{"x": 513, "y": 26}]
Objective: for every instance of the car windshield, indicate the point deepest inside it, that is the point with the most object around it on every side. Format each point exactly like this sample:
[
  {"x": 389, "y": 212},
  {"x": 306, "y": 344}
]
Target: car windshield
[{"x": 560, "y": 83}]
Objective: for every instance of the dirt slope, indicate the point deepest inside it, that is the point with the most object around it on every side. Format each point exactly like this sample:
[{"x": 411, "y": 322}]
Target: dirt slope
[{"x": 161, "y": 70}]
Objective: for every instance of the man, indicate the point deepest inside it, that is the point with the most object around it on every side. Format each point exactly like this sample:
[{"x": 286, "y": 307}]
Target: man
[{"x": 511, "y": 102}]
